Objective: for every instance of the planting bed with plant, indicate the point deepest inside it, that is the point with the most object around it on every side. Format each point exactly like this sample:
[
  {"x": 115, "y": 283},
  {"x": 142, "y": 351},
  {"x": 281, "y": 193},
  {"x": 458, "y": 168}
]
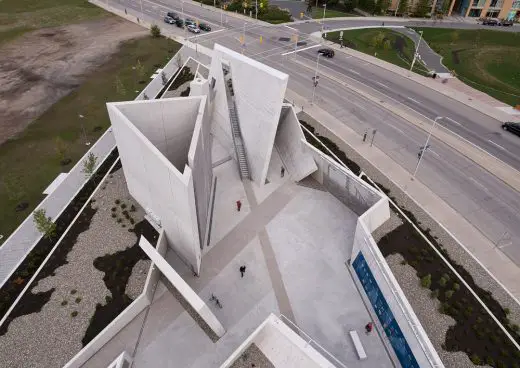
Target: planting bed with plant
[
  {"x": 85, "y": 284},
  {"x": 474, "y": 332}
]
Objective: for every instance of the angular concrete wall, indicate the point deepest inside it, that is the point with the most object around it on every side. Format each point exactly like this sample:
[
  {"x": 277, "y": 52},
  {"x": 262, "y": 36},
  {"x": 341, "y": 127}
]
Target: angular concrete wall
[
  {"x": 199, "y": 158},
  {"x": 259, "y": 93},
  {"x": 158, "y": 186},
  {"x": 167, "y": 123},
  {"x": 290, "y": 145}
]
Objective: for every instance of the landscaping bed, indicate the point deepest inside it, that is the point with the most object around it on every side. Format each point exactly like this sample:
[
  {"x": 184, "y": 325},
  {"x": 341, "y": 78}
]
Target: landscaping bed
[
  {"x": 472, "y": 332},
  {"x": 84, "y": 285},
  {"x": 15, "y": 284}
]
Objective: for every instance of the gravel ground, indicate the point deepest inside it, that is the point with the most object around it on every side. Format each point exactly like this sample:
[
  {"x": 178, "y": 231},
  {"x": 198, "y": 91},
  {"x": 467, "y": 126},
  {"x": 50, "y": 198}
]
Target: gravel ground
[
  {"x": 434, "y": 323},
  {"x": 53, "y": 336},
  {"x": 252, "y": 357},
  {"x": 454, "y": 249}
]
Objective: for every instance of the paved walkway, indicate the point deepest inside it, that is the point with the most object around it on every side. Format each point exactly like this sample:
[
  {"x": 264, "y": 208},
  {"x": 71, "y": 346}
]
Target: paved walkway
[
  {"x": 14, "y": 249},
  {"x": 502, "y": 268}
]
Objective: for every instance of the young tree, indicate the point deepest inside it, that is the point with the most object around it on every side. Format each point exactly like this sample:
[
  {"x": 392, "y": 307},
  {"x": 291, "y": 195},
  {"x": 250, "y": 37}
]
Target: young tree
[
  {"x": 155, "y": 31},
  {"x": 164, "y": 78},
  {"x": 120, "y": 87},
  {"x": 384, "y": 5},
  {"x": 446, "y": 7},
  {"x": 139, "y": 70},
  {"x": 422, "y": 8},
  {"x": 454, "y": 37},
  {"x": 89, "y": 165},
  {"x": 60, "y": 147},
  {"x": 378, "y": 40},
  {"x": 403, "y": 7},
  {"x": 44, "y": 224}
]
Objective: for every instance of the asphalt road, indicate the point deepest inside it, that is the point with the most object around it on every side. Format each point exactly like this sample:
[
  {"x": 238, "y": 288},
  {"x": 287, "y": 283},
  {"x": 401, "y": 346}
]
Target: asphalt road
[{"x": 489, "y": 204}]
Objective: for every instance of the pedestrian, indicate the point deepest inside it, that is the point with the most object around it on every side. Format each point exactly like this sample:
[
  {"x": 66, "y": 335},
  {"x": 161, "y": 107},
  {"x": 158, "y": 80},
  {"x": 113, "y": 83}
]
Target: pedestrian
[
  {"x": 368, "y": 327},
  {"x": 239, "y": 205},
  {"x": 282, "y": 172},
  {"x": 365, "y": 136},
  {"x": 125, "y": 11},
  {"x": 383, "y": 24},
  {"x": 242, "y": 270}
]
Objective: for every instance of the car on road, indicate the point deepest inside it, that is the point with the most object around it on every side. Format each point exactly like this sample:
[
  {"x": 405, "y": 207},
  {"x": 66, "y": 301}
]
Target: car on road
[
  {"x": 173, "y": 15},
  {"x": 512, "y": 127},
  {"x": 169, "y": 20},
  {"x": 189, "y": 21},
  {"x": 506, "y": 23},
  {"x": 193, "y": 28},
  {"x": 205, "y": 27},
  {"x": 326, "y": 52},
  {"x": 179, "y": 23},
  {"x": 490, "y": 22}
]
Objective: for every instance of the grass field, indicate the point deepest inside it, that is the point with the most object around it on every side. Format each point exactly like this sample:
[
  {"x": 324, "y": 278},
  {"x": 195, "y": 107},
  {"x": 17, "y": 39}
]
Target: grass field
[
  {"x": 317, "y": 13},
  {"x": 486, "y": 60},
  {"x": 30, "y": 161},
  {"x": 20, "y": 16},
  {"x": 398, "y": 50}
]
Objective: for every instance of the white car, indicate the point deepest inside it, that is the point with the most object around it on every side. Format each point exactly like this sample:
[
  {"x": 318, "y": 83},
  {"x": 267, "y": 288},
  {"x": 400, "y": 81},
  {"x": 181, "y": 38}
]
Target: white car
[{"x": 193, "y": 29}]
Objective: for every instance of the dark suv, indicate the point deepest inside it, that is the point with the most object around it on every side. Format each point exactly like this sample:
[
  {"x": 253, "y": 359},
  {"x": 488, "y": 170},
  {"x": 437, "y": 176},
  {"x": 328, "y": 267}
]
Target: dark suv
[
  {"x": 173, "y": 15},
  {"x": 326, "y": 52},
  {"x": 490, "y": 22},
  {"x": 506, "y": 23},
  {"x": 512, "y": 127}
]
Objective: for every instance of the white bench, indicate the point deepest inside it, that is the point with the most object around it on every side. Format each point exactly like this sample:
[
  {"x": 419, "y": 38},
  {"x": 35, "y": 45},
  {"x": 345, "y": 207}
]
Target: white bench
[{"x": 357, "y": 344}]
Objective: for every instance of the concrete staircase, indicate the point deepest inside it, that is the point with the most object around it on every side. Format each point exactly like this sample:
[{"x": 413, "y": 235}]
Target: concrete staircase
[{"x": 240, "y": 151}]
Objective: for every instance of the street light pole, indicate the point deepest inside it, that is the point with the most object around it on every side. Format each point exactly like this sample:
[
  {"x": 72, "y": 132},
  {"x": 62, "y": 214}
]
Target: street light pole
[
  {"x": 426, "y": 145},
  {"x": 416, "y": 50},
  {"x": 396, "y": 7},
  {"x": 244, "y": 38},
  {"x": 81, "y": 117},
  {"x": 315, "y": 79},
  {"x": 142, "y": 12},
  {"x": 256, "y": 9},
  {"x": 222, "y": 15},
  {"x": 323, "y": 20}
]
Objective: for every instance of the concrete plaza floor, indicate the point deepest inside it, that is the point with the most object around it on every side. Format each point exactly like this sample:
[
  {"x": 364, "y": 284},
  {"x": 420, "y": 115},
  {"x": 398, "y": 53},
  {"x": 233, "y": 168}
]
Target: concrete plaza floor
[{"x": 293, "y": 244}]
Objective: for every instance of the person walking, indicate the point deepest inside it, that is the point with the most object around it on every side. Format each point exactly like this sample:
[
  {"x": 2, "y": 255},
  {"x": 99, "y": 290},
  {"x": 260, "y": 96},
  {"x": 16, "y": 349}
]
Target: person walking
[
  {"x": 239, "y": 205},
  {"x": 242, "y": 271},
  {"x": 282, "y": 172},
  {"x": 368, "y": 327}
]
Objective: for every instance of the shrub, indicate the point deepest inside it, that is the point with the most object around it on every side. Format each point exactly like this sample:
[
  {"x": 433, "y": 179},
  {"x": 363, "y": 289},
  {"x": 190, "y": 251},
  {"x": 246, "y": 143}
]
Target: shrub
[
  {"x": 490, "y": 361},
  {"x": 64, "y": 302},
  {"x": 74, "y": 314},
  {"x": 434, "y": 294},
  {"x": 475, "y": 359},
  {"x": 117, "y": 201},
  {"x": 403, "y": 262},
  {"x": 132, "y": 221},
  {"x": 108, "y": 299},
  {"x": 448, "y": 294},
  {"x": 443, "y": 281},
  {"x": 501, "y": 364},
  {"x": 155, "y": 31},
  {"x": 456, "y": 286},
  {"x": 114, "y": 215},
  {"x": 73, "y": 291},
  {"x": 515, "y": 328},
  {"x": 426, "y": 281},
  {"x": 114, "y": 209},
  {"x": 119, "y": 220},
  {"x": 132, "y": 208},
  {"x": 44, "y": 224},
  {"x": 446, "y": 276},
  {"x": 123, "y": 206},
  {"x": 507, "y": 311},
  {"x": 78, "y": 299}
]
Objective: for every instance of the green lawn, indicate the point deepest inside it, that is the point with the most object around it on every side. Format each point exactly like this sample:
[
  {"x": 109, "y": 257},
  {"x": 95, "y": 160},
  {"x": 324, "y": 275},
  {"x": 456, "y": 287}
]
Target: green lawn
[
  {"x": 29, "y": 162},
  {"x": 484, "y": 59},
  {"x": 317, "y": 13},
  {"x": 398, "y": 50},
  {"x": 20, "y": 16}
]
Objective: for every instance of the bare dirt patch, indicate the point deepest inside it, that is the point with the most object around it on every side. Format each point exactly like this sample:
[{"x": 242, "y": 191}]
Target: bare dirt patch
[{"x": 41, "y": 67}]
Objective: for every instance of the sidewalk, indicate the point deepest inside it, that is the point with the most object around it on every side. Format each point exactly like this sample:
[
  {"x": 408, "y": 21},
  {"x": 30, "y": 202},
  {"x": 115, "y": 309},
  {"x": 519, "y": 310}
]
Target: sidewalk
[{"x": 470, "y": 239}]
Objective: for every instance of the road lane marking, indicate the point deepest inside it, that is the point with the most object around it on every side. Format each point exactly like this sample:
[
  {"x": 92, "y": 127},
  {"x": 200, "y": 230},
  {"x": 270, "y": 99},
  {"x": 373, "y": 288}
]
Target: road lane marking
[
  {"x": 294, "y": 29},
  {"x": 478, "y": 184},
  {"x": 393, "y": 127},
  {"x": 206, "y": 34},
  {"x": 353, "y": 71},
  {"x": 434, "y": 153},
  {"x": 496, "y": 144},
  {"x": 382, "y": 84},
  {"x": 453, "y": 121},
  {"x": 414, "y": 100},
  {"x": 307, "y": 48}
]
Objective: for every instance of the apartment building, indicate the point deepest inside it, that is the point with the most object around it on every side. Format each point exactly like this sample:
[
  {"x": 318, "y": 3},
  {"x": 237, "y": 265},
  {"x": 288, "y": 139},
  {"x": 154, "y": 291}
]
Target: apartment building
[{"x": 503, "y": 9}]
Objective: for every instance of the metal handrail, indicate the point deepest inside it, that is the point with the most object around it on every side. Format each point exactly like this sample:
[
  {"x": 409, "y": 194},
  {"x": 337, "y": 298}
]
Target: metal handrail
[{"x": 311, "y": 340}]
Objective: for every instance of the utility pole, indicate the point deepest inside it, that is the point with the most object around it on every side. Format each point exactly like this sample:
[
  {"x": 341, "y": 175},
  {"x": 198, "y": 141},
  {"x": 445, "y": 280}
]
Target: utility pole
[
  {"x": 416, "y": 50},
  {"x": 256, "y": 9},
  {"x": 426, "y": 145},
  {"x": 244, "y": 38},
  {"x": 315, "y": 79},
  {"x": 396, "y": 7},
  {"x": 323, "y": 21},
  {"x": 142, "y": 12},
  {"x": 222, "y": 15}
]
